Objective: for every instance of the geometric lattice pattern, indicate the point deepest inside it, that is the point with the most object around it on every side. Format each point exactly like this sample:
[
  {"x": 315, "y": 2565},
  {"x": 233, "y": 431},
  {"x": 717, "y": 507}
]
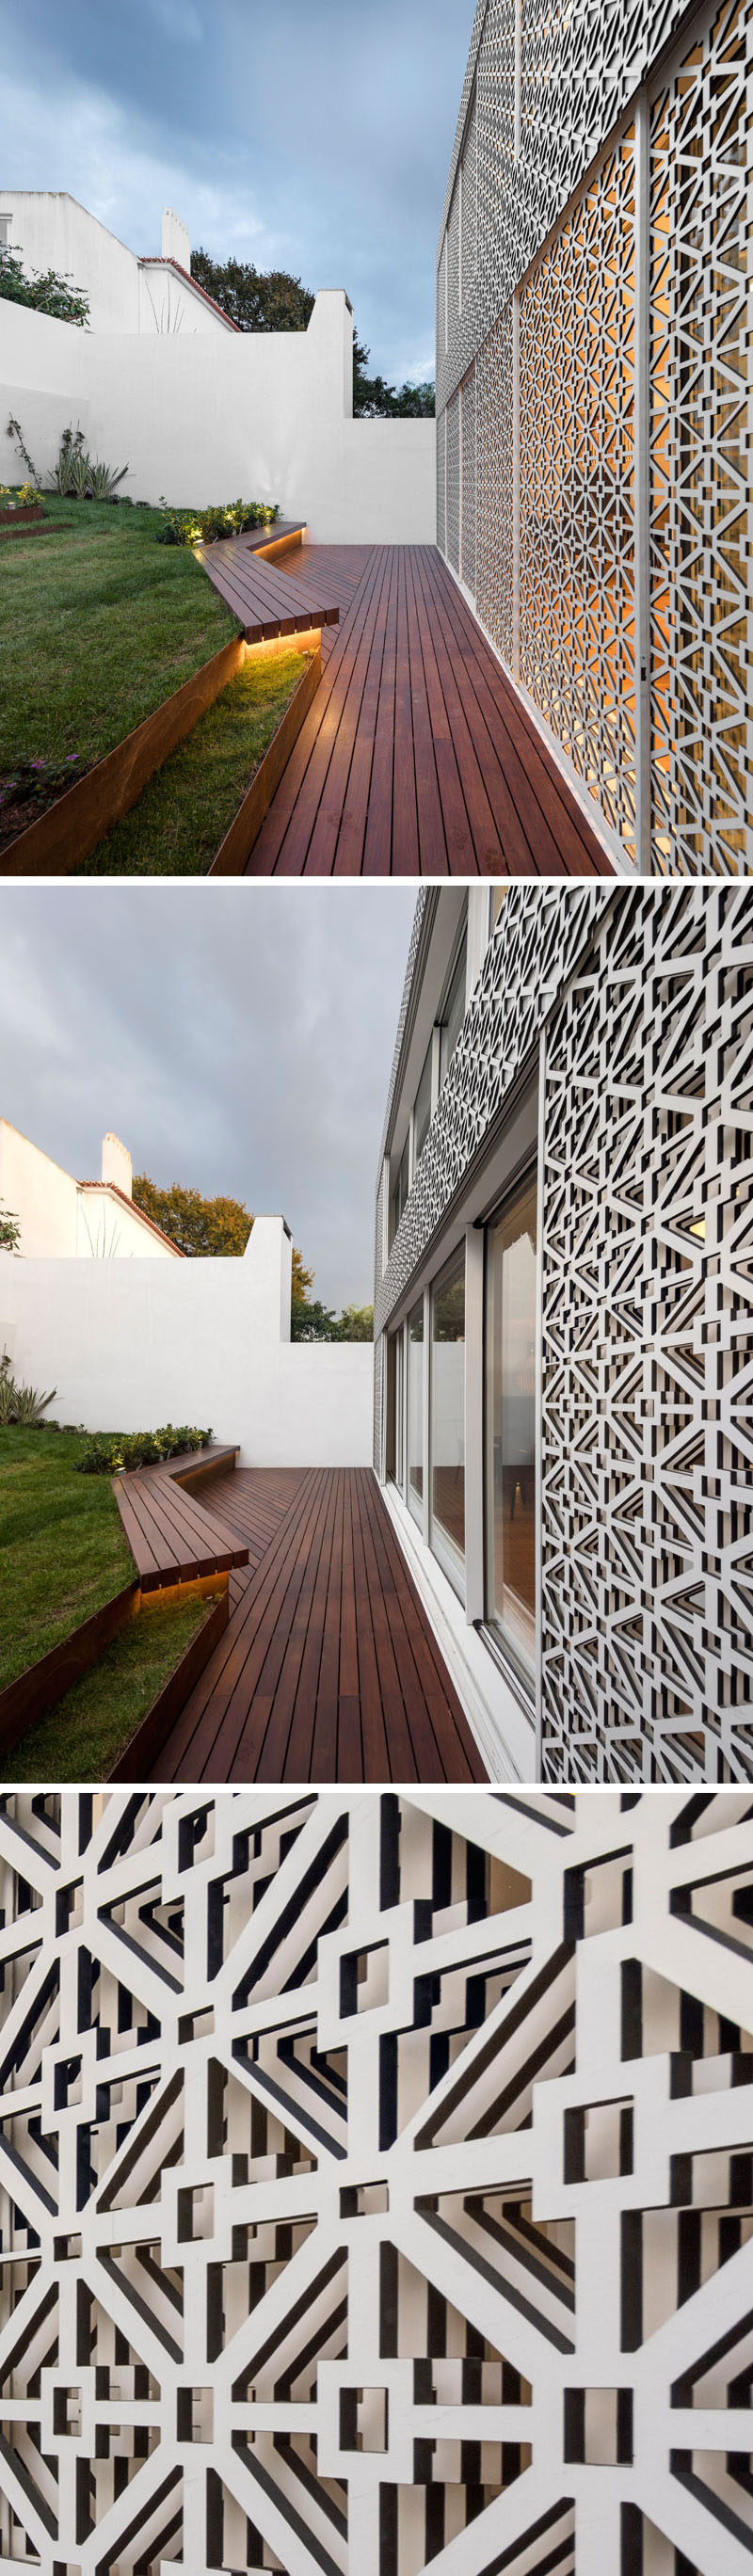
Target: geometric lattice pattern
[
  {"x": 702, "y": 452},
  {"x": 649, "y": 688},
  {"x": 468, "y": 486},
  {"x": 646, "y": 997},
  {"x": 577, "y": 409},
  {"x": 453, "y": 481},
  {"x": 647, "y": 1229},
  {"x": 377, "y": 2185}
]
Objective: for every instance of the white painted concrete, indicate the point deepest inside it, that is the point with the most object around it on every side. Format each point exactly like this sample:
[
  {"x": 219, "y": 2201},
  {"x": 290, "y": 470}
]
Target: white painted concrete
[
  {"x": 129, "y": 1345},
  {"x": 64, "y": 1219},
  {"x": 266, "y": 416},
  {"x": 51, "y": 230}
]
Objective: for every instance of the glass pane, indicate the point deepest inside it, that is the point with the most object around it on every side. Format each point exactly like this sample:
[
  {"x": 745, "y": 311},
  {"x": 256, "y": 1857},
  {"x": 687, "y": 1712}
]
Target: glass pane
[
  {"x": 511, "y": 1422},
  {"x": 416, "y": 1411},
  {"x": 448, "y": 1420},
  {"x": 422, "y": 1107},
  {"x": 454, "y": 1014},
  {"x": 399, "y": 1410},
  {"x": 402, "y": 1182}
]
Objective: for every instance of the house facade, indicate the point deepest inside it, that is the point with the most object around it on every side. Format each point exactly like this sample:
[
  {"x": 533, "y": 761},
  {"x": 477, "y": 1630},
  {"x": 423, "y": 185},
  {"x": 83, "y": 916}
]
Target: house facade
[
  {"x": 562, "y": 1321},
  {"x": 593, "y": 403},
  {"x": 374, "y": 2184},
  {"x": 61, "y": 1219},
  {"x": 128, "y": 291}
]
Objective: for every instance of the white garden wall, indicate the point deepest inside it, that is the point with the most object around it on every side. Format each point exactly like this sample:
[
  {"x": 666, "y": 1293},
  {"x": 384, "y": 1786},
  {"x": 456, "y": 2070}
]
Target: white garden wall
[
  {"x": 131, "y": 1344},
  {"x": 264, "y": 414}
]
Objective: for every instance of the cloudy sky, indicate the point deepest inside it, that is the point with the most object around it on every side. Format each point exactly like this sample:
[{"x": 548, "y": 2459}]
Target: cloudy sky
[
  {"x": 241, "y": 1045},
  {"x": 316, "y": 139}
]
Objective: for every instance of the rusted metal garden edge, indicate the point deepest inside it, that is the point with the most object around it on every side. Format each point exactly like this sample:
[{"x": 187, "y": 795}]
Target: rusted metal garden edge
[
  {"x": 75, "y": 825},
  {"x": 239, "y": 840},
  {"x": 44, "y": 1683},
  {"x": 143, "y": 1748}
]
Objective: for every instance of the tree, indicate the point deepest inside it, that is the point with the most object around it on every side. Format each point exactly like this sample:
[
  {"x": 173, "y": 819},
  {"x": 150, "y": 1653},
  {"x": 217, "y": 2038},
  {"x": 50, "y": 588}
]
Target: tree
[
  {"x": 47, "y": 294},
  {"x": 313, "y": 1322},
  {"x": 275, "y": 301},
  {"x": 357, "y": 1324},
  {"x": 9, "y": 1230},
  {"x": 207, "y": 1228},
  {"x": 302, "y": 1280}
]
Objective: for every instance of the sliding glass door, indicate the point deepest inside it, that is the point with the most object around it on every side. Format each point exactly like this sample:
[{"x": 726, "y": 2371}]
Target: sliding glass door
[
  {"x": 416, "y": 1411},
  {"x": 448, "y": 1420},
  {"x": 511, "y": 1423}
]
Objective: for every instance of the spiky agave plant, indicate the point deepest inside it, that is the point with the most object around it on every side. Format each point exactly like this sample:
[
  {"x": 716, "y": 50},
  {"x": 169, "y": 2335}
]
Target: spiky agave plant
[
  {"x": 103, "y": 481},
  {"x": 30, "y": 1406}
]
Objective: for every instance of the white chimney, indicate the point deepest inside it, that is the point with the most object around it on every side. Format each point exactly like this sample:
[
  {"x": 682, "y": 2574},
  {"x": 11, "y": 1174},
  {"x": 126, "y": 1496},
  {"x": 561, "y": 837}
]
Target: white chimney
[
  {"x": 117, "y": 1167},
  {"x": 176, "y": 239}
]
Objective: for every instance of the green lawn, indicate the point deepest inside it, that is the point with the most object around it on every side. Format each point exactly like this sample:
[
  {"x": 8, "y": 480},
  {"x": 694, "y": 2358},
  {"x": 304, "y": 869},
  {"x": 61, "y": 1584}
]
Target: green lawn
[
  {"x": 183, "y": 814},
  {"x": 81, "y": 1738},
  {"x": 62, "y": 1544},
  {"x": 97, "y": 625}
]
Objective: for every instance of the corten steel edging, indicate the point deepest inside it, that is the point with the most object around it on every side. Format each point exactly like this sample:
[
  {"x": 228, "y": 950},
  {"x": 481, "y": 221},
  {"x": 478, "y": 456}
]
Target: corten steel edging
[
  {"x": 39, "y": 1688},
  {"x": 244, "y": 830},
  {"x": 145, "y": 1746},
  {"x": 76, "y": 824},
  {"x": 27, "y": 518}
]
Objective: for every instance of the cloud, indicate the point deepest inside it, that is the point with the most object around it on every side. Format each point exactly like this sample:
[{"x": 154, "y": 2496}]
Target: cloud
[{"x": 239, "y": 1041}]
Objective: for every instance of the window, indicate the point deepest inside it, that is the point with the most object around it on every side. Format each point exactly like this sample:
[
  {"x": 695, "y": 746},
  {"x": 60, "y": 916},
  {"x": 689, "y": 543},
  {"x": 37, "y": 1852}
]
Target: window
[
  {"x": 416, "y": 1411},
  {"x": 453, "y": 1013},
  {"x": 6, "y": 228},
  {"x": 448, "y": 1420},
  {"x": 400, "y": 1193},
  {"x": 395, "y": 1408},
  {"x": 422, "y": 1107},
  {"x": 511, "y": 1423}
]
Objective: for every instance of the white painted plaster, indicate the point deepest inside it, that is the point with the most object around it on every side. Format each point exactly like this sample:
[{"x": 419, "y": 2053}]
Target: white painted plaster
[{"x": 129, "y": 1345}]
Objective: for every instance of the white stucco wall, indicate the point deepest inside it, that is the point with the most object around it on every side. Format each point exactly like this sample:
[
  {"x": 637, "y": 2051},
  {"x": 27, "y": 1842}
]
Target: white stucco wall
[
  {"x": 264, "y": 414},
  {"x": 51, "y": 230},
  {"x": 129, "y": 1345},
  {"x": 60, "y": 1221}
]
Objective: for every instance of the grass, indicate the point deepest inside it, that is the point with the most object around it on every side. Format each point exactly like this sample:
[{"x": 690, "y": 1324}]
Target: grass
[
  {"x": 186, "y": 809},
  {"x": 82, "y": 1737},
  {"x": 62, "y": 1543},
  {"x": 97, "y": 625}
]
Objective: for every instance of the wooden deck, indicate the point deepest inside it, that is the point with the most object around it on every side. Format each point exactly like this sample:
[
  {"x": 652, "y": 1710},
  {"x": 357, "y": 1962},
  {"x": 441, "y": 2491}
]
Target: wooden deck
[
  {"x": 173, "y": 1538},
  {"x": 417, "y": 756},
  {"x": 269, "y": 599},
  {"x": 328, "y": 1669}
]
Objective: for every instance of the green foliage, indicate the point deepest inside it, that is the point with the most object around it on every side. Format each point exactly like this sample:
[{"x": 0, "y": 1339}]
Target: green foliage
[
  {"x": 79, "y": 477},
  {"x": 47, "y": 293},
  {"x": 310, "y": 1321},
  {"x": 357, "y": 1324},
  {"x": 24, "y": 1405},
  {"x": 204, "y": 527},
  {"x": 14, "y": 430},
  {"x": 63, "y": 1548},
  {"x": 274, "y": 301},
  {"x": 278, "y": 302},
  {"x": 28, "y": 497},
  {"x": 206, "y": 1228},
  {"x": 10, "y": 1235},
  {"x": 106, "y": 1451}
]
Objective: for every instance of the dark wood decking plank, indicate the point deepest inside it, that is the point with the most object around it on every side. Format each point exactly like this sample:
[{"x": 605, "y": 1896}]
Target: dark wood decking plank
[
  {"x": 329, "y": 1668},
  {"x": 559, "y": 832},
  {"x": 353, "y": 712},
  {"x": 276, "y": 831},
  {"x": 377, "y": 843},
  {"x": 432, "y": 840},
  {"x": 459, "y": 841}
]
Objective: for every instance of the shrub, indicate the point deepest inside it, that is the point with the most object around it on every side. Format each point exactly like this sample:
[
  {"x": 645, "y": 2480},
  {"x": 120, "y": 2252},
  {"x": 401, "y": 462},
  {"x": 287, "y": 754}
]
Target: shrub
[
  {"x": 28, "y": 498},
  {"x": 108, "y": 1450},
  {"x": 23, "y": 1405},
  {"x": 49, "y": 293},
  {"x": 204, "y": 527}
]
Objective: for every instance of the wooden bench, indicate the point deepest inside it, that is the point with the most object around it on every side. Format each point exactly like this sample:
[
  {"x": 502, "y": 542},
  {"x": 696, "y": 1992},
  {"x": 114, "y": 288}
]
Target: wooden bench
[
  {"x": 269, "y": 603},
  {"x": 173, "y": 1537}
]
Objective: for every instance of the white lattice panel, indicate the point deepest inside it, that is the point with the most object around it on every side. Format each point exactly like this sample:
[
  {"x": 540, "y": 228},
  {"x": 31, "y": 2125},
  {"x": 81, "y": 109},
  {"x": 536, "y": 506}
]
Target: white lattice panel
[
  {"x": 441, "y": 454},
  {"x": 701, "y": 453},
  {"x": 495, "y": 437},
  {"x": 647, "y": 1316},
  {"x": 468, "y": 435},
  {"x": 453, "y": 482},
  {"x": 577, "y": 567},
  {"x": 376, "y": 2185}
]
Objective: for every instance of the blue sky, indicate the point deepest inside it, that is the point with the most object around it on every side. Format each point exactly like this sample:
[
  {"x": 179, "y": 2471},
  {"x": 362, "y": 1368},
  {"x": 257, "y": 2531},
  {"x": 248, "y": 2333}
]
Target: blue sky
[
  {"x": 313, "y": 135},
  {"x": 238, "y": 1042}
]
